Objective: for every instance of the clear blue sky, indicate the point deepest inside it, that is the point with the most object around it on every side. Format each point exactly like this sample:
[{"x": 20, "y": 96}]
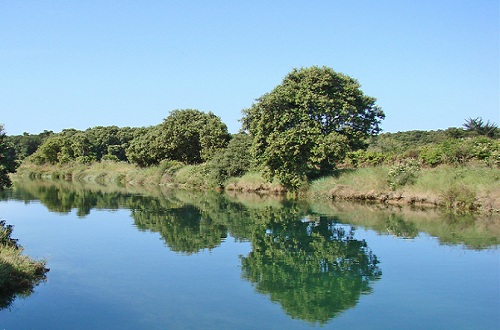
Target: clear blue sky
[{"x": 80, "y": 64}]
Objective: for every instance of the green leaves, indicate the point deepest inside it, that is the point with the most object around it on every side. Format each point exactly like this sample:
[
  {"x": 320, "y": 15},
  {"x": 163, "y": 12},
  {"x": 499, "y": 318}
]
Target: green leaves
[
  {"x": 7, "y": 164},
  {"x": 308, "y": 123},
  {"x": 189, "y": 136}
]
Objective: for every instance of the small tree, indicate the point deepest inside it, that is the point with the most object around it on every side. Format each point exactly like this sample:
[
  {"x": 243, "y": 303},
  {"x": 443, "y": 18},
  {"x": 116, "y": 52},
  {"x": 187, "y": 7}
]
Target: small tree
[{"x": 479, "y": 127}]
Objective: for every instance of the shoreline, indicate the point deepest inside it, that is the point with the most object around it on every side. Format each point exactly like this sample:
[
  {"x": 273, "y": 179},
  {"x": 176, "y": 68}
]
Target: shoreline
[{"x": 461, "y": 192}]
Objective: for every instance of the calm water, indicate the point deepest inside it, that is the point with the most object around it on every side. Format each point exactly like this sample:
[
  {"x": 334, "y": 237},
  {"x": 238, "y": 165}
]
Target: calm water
[{"x": 179, "y": 260}]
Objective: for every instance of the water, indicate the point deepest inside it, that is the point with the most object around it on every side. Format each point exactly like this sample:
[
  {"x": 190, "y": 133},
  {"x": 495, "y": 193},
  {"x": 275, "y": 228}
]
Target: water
[{"x": 181, "y": 260}]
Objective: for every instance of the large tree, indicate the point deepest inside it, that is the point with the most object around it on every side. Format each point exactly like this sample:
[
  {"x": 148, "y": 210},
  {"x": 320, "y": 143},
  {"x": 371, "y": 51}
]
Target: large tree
[{"x": 305, "y": 125}]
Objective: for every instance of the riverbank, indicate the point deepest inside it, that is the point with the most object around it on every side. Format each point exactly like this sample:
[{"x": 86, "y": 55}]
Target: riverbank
[
  {"x": 19, "y": 273},
  {"x": 463, "y": 189}
]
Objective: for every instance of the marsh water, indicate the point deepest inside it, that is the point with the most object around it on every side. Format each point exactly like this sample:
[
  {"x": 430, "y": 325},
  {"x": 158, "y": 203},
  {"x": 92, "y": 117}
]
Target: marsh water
[{"x": 163, "y": 259}]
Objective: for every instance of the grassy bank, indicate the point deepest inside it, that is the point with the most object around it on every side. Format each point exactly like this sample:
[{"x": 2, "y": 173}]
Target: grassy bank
[
  {"x": 18, "y": 273},
  {"x": 470, "y": 188},
  {"x": 460, "y": 189}
]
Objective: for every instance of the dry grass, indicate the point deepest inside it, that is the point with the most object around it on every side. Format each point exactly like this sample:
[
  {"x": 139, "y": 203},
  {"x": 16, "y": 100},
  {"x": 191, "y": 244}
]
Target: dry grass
[
  {"x": 461, "y": 189},
  {"x": 254, "y": 182}
]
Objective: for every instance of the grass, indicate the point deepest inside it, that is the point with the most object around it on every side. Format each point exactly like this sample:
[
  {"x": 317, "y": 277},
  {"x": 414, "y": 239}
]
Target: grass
[
  {"x": 459, "y": 189},
  {"x": 18, "y": 273},
  {"x": 254, "y": 182}
]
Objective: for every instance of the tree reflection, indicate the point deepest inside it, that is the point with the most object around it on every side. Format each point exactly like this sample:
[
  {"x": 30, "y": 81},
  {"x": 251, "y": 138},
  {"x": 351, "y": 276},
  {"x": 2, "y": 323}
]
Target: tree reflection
[
  {"x": 184, "y": 229},
  {"x": 314, "y": 269},
  {"x": 398, "y": 227}
]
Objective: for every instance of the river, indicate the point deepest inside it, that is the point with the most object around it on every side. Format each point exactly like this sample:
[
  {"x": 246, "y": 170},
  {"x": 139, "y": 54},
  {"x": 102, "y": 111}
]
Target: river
[{"x": 121, "y": 258}]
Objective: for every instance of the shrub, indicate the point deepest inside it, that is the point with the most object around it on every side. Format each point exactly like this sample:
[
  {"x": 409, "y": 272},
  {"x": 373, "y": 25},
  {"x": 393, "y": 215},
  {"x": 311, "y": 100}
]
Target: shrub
[
  {"x": 460, "y": 199},
  {"x": 403, "y": 173},
  {"x": 170, "y": 166},
  {"x": 233, "y": 161},
  {"x": 361, "y": 158}
]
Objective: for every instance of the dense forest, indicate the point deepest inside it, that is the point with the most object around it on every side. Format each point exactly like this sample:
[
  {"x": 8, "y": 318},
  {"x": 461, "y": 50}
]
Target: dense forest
[{"x": 314, "y": 122}]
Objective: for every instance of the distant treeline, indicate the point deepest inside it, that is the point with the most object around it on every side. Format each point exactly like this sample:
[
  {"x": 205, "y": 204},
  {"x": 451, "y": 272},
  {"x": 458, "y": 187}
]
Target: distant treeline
[{"x": 314, "y": 122}]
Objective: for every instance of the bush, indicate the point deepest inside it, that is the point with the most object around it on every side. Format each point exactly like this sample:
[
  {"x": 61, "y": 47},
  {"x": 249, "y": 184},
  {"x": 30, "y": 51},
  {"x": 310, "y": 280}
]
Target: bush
[
  {"x": 461, "y": 151},
  {"x": 460, "y": 199},
  {"x": 361, "y": 158},
  {"x": 234, "y": 161},
  {"x": 403, "y": 173},
  {"x": 170, "y": 166}
]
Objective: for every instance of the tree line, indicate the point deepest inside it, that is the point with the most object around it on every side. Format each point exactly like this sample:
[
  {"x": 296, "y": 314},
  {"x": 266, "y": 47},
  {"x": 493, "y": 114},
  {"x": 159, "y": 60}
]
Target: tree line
[{"x": 314, "y": 121}]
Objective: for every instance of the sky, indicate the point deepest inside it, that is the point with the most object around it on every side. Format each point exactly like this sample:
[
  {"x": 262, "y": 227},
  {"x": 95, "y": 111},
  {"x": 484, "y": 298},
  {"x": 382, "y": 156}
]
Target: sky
[{"x": 80, "y": 64}]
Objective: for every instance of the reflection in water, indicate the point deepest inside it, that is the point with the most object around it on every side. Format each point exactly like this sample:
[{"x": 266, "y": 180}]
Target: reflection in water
[
  {"x": 183, "y": 229},
  {"x": 315, "y": 270},
  {"x": 397, "y": 226},
  {"x": 309, "y": 263},
  {"x": 23, "y": 290}
]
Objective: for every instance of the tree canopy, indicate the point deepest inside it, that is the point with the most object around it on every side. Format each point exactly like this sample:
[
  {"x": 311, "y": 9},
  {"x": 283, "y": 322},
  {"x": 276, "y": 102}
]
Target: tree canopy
[
  {"x": 308, "y": 122},
  {"x": 186, "y": 135},
  {"x": 7, "y": 164}
]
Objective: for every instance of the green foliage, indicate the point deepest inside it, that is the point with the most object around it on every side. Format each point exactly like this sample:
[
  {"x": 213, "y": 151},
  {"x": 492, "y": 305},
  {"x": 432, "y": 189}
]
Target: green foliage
[
  {"x": 306, "y": 124},
  {"x": 7, "y": 162},
  {"x": 93, "y": 144},
  {"x": 361, "y": 158},
  {"x": 189, "y": 136},
  {"x": 170, "y": 166},
  {"x": 19, "y": 274},
  {"x": 403, "y": 173},
  {"x": 5, "y": 235},
  {"x": 110, "y": 141},
  {"x": 401, "y": 142},
  {"x": 143, "y": 149},
  {"x": 460, "y": 151},
  {"x": 478, "y": 127},
  {"x": 233, "y": 161},
  {"x": 26, "y": 144},
  {"x": 194, "y": 177}
]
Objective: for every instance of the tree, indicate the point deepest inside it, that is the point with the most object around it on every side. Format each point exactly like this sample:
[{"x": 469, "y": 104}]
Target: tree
[
  {"x": 27, "y": 144},
  {"x": 192, "y": 137},
  {"x": 305, "y": 125},
  {"x": 234, "y": 160},
  {"x": 479, "y": 127},
  {"x": 7, "y": 164},
  {"x": 56, "y": 149},
  {"x": 189, "y": 136},
  {"x": 143, "y": 150}
]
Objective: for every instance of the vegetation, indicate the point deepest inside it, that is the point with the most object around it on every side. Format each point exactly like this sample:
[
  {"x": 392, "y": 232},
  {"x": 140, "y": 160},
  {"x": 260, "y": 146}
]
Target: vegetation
[
  {"x": 305, "y": 125},
  {"x": 189, "y": 136},
  {"x": 7, "y": 162},
  {"x": 93, "y": 144},
  {"x": 18, "y": 273},
  {"x": 316, "y": 124},
  {"x": 458, "y": 189}
]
